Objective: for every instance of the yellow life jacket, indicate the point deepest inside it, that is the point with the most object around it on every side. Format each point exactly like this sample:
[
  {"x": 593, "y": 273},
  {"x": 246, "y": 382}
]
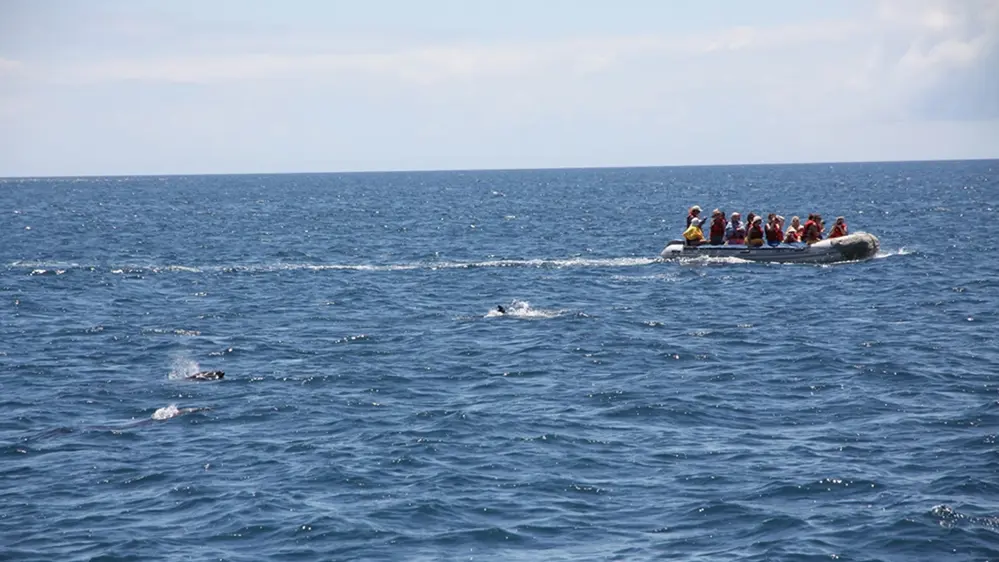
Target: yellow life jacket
[{"x": 693, "y": 233}]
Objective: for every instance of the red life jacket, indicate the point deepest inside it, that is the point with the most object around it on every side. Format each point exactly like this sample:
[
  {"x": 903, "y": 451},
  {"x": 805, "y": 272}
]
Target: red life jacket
[
  {"x": 718, "y": 227},
  {"x": 812, "y": 232},
  {"x": 838, "y": 230},
  {"x": 755, "y": 232},
  {"x": 774, "y": 235},
  {"x": 738, "y": 232}
]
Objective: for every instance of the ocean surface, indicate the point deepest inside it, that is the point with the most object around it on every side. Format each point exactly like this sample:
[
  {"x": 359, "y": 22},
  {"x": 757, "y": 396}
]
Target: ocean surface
[{"x": 375, "y": 408}]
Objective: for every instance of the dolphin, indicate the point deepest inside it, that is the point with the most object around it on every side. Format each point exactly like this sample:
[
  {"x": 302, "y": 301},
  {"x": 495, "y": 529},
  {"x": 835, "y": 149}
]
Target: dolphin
[
  {"x": 206, "y": 376},
  {"x": 157, "y": 416}
]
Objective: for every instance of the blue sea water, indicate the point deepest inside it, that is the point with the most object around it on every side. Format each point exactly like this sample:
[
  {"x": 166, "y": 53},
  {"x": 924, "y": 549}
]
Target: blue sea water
[{"x": 374, "y": 408}]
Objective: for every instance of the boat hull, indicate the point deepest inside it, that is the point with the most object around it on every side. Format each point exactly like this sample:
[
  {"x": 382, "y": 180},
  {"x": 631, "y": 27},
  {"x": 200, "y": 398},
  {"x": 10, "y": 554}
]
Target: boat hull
[{"x": 853, "y": 247}]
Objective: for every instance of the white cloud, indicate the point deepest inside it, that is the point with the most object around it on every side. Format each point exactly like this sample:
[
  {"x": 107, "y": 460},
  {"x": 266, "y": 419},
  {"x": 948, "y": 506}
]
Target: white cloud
[
  {"x": 950, "y": 53},
  {"x": 429, "y": 63},
  {"x": 938, "y": 58}
]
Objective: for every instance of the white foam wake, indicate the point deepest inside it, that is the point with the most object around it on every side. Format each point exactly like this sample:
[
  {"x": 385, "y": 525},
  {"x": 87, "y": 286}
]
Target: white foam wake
[
  {"x": 39, "y": 268},
  {"x": 711, "y": 260}
]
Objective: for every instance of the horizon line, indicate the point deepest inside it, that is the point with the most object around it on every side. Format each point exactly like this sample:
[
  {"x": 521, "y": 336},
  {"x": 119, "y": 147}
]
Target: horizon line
[{"x": 459, "y": 170}]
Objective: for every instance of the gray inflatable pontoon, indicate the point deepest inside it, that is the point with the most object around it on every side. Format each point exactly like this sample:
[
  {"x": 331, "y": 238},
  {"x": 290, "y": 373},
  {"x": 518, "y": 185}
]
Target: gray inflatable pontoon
[{"x": 852, "y": 247}]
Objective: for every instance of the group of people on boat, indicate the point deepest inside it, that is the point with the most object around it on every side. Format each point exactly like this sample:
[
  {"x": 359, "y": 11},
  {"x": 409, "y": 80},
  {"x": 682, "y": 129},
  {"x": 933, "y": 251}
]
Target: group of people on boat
[{"x": 754, "y": 233}]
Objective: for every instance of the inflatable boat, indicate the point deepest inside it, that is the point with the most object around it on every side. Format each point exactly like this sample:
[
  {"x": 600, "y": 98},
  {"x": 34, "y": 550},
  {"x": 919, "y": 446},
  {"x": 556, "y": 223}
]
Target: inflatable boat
[{"x": 852, "y": 247}]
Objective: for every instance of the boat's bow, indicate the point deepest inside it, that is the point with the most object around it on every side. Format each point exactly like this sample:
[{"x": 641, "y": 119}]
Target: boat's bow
[{"x": 854, "y": 247}]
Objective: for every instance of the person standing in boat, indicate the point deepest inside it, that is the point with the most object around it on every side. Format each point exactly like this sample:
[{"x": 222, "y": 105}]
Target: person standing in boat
[
  {"x": 774, "y": 234},
  {"x": 754, "y": 234},
  {"x": 735, "y": 232},
  {"x": 838, "y": 229},
  {"x": 693, "y": 213},
  {"x": 813, "y": 229},
  {"x": 717, "y": 233}
]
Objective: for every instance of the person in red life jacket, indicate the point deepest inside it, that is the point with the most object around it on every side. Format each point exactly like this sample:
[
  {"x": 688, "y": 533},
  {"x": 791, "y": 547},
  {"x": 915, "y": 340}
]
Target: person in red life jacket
[
  {"x": 774, "y": 234},
  {"x": 813, "y": 229},
  {"x": 716, "y": 236},
  {"x": 754, "y": 235},
  {"x": 838, "y": 229},
  {"x": 735, "y": 232},
  {"x": 694, "y": 213}
]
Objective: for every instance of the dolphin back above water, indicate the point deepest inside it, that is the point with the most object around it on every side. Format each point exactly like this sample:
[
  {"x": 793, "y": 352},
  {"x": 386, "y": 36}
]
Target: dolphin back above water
[{"x": 206, "y": 376}]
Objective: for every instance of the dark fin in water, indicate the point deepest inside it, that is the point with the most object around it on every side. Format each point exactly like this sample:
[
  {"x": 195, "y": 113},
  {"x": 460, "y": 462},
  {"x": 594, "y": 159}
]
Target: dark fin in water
[{"x": 206, "y": 376}]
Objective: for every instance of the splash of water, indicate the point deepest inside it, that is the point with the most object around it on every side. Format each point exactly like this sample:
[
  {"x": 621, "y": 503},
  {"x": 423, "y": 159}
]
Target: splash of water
[
  {"x": 166, "y": 413},
  {"x": 182, "y": 367},
  {"x": 173, "y": 411},
  {"x": 523, "y": 309},
  {"x": 903, "y": 251}
]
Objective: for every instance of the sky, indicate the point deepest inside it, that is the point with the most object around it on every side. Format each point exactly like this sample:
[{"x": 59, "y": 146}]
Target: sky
[{"x": 122, "y": 87}]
